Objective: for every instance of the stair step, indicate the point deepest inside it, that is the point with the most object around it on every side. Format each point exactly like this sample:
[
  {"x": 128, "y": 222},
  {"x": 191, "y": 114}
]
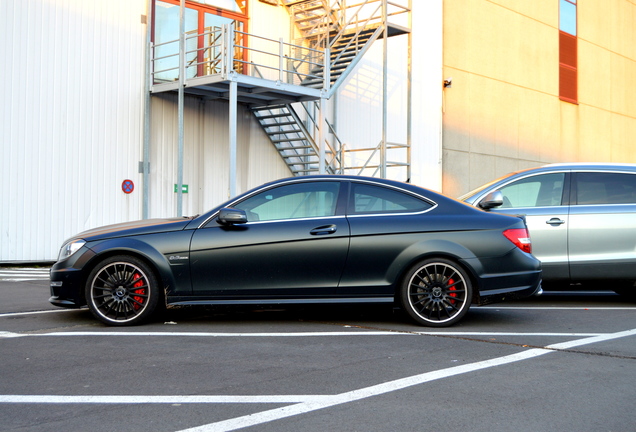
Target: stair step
[
  {"x": 290, "y": 140},
  {"x": 294, "y": 148},
  {"x": 285, "y": 133},
  {"x": 288, "y": 123},
  {"x": 272, "y": 116},
  {"x": 309, "y": 18},
  {"x": 270, "y": 107},
  {"x": 303, "y": 162}
]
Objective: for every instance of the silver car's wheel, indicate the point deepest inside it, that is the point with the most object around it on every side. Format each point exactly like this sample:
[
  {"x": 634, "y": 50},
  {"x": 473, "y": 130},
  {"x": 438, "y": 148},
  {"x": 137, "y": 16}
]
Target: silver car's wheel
[
  {"x": 436, "y": 293},
  {"x": 122, "y": 290}
]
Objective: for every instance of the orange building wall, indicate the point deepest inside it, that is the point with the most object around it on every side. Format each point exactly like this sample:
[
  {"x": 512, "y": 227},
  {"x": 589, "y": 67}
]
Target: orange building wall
[{"x": 503, "y": 110}]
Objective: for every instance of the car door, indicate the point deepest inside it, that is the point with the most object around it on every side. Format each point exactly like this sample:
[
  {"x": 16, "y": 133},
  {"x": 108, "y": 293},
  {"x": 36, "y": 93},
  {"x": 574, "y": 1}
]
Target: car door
[
  {"x": 542, "y": 198},
  {"x": 602, "y": 236},
  {"x": 294, "y": 244},
  {"x": 382, "y": 222}
]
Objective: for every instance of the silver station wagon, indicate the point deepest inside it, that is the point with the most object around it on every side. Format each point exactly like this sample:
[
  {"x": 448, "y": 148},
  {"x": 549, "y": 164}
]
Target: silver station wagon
[{"x": 581, "y": 217}]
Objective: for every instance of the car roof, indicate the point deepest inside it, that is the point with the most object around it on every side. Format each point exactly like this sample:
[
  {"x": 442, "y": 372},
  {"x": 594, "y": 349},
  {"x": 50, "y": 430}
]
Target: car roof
[
  {"x": 471, "y": 196},
  {"x": 590, "y": 165}
]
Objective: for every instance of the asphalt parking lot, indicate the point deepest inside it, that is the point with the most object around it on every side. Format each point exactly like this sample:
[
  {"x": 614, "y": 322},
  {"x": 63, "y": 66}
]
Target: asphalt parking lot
[{"x": 559, "y": 362}]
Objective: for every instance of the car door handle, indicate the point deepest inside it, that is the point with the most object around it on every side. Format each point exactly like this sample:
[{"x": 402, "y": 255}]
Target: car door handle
[
  {"x": 555, "y": 221},
  {"x": 325, "y": 229}
]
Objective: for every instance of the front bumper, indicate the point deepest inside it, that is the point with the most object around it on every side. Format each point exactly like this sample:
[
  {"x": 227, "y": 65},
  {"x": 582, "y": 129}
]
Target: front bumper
[{"x": 68, "y": 280}]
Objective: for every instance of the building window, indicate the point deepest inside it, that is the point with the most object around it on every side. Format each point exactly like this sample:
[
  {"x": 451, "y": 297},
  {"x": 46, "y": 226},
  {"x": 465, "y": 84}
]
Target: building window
[
  {"x": 568, "y": 82},
  {"x": 201, "y": 17}
]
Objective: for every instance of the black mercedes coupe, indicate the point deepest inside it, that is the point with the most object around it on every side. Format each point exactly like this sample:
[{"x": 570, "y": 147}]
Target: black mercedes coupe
[{"x": 314, "y": 239}]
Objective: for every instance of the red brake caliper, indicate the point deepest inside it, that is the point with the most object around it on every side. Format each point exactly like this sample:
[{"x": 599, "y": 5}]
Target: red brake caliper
[
  {"x": 452, "y": 288},
  {"x": 138, "y": 283}
]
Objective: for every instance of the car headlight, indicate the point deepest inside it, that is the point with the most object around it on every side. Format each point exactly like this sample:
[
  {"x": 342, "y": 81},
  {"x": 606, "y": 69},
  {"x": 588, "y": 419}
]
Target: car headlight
[{"x": 70, "y": 248}]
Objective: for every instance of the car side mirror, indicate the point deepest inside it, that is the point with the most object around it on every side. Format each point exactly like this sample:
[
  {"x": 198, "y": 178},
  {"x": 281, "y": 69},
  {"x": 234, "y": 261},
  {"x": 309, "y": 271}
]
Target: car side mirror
[
  {"x": 231, "y": 216},
  {"x": 492, "y": 200}
]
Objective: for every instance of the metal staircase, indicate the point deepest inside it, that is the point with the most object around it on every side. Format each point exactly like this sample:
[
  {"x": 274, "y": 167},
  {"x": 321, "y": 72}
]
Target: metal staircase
[
  {"x": 291, "y": 138},
  {"x": 345, "y": 32},
  {"x": 342, "y": 54}
]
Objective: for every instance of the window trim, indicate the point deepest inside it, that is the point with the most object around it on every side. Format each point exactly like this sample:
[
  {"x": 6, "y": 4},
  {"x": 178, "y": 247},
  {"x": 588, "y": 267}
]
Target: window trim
[
  {"x": 575, "y": 185},
  {"x": 202, "y": 9},
  {"x": 568, "y": 58},
  {"x": 351, "y": 203}
]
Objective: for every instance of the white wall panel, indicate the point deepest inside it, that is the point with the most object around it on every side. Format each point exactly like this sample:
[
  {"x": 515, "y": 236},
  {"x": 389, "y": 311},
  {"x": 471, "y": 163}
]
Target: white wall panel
[
  {"x": 206, "y": 168},
  {"x": 71, "y": 119},
  {"x": 359, "y": 118}
]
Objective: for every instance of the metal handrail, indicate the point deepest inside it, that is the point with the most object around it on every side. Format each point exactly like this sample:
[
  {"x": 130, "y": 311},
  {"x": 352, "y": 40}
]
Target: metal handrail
[{"x": 225, "y": 41}]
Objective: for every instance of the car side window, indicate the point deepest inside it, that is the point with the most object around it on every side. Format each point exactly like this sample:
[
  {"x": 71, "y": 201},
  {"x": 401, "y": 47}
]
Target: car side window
[
  {"x": 543, "y": 190},
  {"x": 293, "y": 201},
  {"x": 605, "y": 188},
  {"x": 367, "y": 199}
]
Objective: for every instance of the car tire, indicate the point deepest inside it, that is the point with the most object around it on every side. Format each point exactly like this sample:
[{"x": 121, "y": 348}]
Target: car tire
[
  {"x": 436, "y": 292},
  {"x": 122, "y": 290}
]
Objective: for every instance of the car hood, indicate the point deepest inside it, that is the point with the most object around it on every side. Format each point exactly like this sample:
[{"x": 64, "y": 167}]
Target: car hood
[{"x": 147, "y": 226}]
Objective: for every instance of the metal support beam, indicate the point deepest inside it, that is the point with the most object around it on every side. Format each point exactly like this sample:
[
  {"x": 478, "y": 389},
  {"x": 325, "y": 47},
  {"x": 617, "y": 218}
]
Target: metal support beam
[
  {"x": 322, "y": 169},
  {"x": 145, "y": 164},
  {"x": 181, "y": 103},
  {"x": 232, "y": 126},
  {"x": 385, "y": 73},
  {"x": 409, "y": 95}
]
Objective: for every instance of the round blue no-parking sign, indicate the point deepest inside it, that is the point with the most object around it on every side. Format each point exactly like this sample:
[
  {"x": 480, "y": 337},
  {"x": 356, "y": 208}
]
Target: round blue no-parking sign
[{"x": 127, "y": 186}]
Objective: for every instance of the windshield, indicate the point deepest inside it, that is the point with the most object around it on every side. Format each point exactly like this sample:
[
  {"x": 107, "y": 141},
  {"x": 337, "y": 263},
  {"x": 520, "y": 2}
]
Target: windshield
[{"x": 485, "y": 186}]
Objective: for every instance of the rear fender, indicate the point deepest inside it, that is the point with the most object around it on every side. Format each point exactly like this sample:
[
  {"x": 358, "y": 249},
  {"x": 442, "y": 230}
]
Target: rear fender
[{"x": 433, "y": 248}]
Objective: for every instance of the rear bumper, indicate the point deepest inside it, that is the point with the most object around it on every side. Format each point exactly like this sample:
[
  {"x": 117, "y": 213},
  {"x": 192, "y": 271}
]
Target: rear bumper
[{"x": 497, "y": 283}]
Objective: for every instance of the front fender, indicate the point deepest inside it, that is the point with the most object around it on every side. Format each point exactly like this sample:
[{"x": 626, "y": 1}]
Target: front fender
[{"x": 157, "y": 252}]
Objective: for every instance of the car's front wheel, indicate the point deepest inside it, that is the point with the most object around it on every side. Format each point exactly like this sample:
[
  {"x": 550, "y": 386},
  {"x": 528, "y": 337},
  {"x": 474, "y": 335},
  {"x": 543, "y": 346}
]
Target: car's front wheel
[
  {"x": 122, "y": 290},
  {"x": 436, "y": 292}
]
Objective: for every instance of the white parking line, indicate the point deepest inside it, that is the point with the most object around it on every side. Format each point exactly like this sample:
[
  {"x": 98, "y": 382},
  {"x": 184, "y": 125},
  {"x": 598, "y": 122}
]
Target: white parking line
[
  {"x": 23, "y": 274},
  {"x": 558, "y": 307},
  {"x": 307, "y": 403},
  {"x": 11, "y": 314},
  {"x": 294, "y": 334},
  {"x": 304, "y": 407}
]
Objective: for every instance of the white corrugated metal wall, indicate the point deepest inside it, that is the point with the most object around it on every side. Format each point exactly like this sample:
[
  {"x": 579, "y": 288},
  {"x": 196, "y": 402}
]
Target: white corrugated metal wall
[
  {"x": 206, "y": 155},
  {"x": 359, "y": 118},
  {"x": 70, "y": 119}
]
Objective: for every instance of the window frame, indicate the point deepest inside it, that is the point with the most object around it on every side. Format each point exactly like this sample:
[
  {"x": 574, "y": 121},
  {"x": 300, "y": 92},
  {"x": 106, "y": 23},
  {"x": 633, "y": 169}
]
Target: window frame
[
  {"x": 201, "y": 10},
  {"x": 337, "y": 206},
  {"x": 568, "y": 57},
  {"x": 351, "y": 205},
  {"x": 575, "y": 187},
  {"x": 564, "y": 188}
]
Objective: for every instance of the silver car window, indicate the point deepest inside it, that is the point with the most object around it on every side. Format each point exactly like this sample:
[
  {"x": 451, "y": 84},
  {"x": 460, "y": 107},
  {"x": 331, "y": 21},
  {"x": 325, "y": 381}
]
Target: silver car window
[
  {"x": 541, "y": 190},
  {"x": 295, "y": 201},
  {"x": 605, "y": 188},
  {"x": 369, "y": 199}
]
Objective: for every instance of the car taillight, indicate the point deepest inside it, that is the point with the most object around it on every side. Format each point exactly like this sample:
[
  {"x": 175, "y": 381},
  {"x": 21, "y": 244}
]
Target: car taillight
[{"x": 520, "y": 237}]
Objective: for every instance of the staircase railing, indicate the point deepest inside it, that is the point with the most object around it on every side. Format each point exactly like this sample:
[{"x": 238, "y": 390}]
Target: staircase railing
[
  {"x": 335, "y": 164},
  {"x": 225, "y": 51}
]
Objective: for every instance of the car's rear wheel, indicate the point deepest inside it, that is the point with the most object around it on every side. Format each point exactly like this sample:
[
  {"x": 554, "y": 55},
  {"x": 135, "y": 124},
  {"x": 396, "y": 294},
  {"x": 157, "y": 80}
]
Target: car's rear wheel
[
  {"x": 436, "y": 292},
  {"x": 122, "y": 290}
]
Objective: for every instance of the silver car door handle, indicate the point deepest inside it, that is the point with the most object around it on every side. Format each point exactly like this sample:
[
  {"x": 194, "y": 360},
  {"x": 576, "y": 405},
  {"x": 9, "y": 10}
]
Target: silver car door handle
[
  {"x": 322, "y": 230},
  {"x": 555, "y": 221}
]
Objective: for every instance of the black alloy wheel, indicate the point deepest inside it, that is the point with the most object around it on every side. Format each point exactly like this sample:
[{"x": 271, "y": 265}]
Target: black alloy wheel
[
  {"x": 436, "y": 293},
  {"x": 122, "y": 290}
]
